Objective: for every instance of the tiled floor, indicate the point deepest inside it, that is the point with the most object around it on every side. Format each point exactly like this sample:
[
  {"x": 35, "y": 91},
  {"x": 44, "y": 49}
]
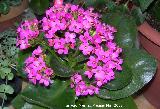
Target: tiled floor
[{"x": 142, "y": 103}]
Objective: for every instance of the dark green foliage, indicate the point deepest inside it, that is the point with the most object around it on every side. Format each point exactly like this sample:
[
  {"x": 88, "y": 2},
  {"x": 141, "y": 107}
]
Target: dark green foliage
[{"x": 39, "y": 6}]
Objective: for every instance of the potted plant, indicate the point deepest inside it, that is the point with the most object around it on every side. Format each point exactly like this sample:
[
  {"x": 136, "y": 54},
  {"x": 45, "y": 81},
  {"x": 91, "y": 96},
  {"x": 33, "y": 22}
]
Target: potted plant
[
  {"x": 10, "y": 84},
  {"x": 9, "y": 10},
  {"x": 144, "y": 12},
  {"x": 73, "y": 58},
  {"x": 150, "y": 41}
]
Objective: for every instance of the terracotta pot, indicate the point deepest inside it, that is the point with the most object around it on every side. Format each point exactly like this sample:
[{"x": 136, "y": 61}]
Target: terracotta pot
[
  {"x": 9, "y": 19},
  {"x": 150, "y": 41}
]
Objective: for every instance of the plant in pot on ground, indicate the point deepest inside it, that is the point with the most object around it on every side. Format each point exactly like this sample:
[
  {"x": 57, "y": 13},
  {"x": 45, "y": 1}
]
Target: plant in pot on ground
[
  {"x": 77, "y": 58},
  {"x": 10, "y": 11},
  {"x": 5, "y": 5},
  {"x": 150, "y": 40},
  {"x": 10, "y": 84}
]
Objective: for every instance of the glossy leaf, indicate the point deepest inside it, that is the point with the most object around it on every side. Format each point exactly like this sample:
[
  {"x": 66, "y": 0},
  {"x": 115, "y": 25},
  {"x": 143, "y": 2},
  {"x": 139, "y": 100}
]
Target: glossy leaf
[
  {"x": 60, "y": 68},
  {"x": 93, "y": 102},
  {"x": 57, "y": 96},
  {"x": 143, "y": 68},
  {"x": 99, "y": 5},
  {"x": 144, "y": 4},
  {"x": 39, "y": 6},
  {"x": 20, "y": 103},
  {"x": 126, "y": 29},
  {"x": 23, "y": 55},
  {"x": 122, "y": 79},
  {"x": 138, "y": 15}
]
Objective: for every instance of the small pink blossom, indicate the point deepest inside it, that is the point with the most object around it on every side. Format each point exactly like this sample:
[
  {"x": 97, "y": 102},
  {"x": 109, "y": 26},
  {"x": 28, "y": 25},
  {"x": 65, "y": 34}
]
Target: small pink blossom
[
  {"x": 36, "y": 69},
  {"x": 86, "y": 48},
  {"x": 92, "y": 62}
]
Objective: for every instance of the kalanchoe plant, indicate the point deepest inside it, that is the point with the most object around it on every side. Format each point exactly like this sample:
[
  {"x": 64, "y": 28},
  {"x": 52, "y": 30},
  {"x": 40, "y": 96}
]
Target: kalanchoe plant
[{"x": 73, "y": 59}]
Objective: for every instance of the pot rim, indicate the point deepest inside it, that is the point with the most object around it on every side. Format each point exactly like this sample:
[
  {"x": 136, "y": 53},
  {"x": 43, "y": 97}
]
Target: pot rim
[
  {"x": 14, "y": 11},
  {"x": 149, "y": 33}
]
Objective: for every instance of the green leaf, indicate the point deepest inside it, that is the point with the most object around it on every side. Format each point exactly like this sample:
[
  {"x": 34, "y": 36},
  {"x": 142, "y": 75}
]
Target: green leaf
[
  {"x": 120, "y": 9},
  {"x": 126, "y": 29},
  {"x": 97, "y": 103},
  {"x": 6, "y": 72},
  {"x": 39, "y": 6},
  {"x": 10, "y": 76},
  {"x": 143, "y": 68},
  {"x": 59, "y": 67},
  {"x": 20, "y": 103},
  {"x": 4, "y": 8},
  {"x": 23, "y": 55},
  {"x": 6, "y": 89},
  {"x": 110, "y": 4},
  {"x": 57, "y": 96},
  {"x": 122, "y": 79},
  {"x": 99, "y": 5},
  {"x": 144, "y": 4},
  {"x": 138, "y": 15},
  {"x": 155, "y": 10}
]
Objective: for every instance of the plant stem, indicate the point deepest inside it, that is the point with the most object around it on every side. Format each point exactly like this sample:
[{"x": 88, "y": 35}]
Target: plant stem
[
  {"x": 45, "y": 45},
  {"x": 12, "y": 67},
  {"x": 76, "y": 53},
  {"x": 48, "y": 48},
  {"x": 126, "y": 4}
]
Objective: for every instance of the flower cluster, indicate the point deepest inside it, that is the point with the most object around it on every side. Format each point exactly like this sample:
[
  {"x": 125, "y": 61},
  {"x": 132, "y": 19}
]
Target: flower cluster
[
  {"x": 62, "y": 25},
  {"x": 27, "y": 31},
  {"x": 36, "y": 68},
  {"x": 81, "y": 87},
  {"x": 71, "y": 27},
  {"x": 101, "y": 64}
]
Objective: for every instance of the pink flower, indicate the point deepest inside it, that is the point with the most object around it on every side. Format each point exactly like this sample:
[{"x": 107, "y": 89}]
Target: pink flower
[
  {"x": 92, "y": 62},
  {"x": 85, "y": 38},
  {"x": 81, "y": 89},
  {"x": 74, "y": 8},
  {"x": 70, "y": 37},
  {"x": 63, "y": 51},
  {"x": 37, "y": 51},
  {"x": 27, "y": 31},
  {"x": 102, "y": 55},
  {"x": 86, "y": 48},
  {"x": 48, "y": 71},
  {"x": 36, "y": 69},
  {"x": 59, "y": 43},
  {"x": 89, "y": 74}
]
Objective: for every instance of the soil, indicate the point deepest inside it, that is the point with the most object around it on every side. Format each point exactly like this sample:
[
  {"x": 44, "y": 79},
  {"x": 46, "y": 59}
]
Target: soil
[{"x": 153, "y": 22}]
